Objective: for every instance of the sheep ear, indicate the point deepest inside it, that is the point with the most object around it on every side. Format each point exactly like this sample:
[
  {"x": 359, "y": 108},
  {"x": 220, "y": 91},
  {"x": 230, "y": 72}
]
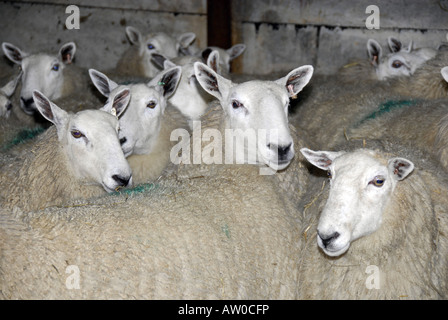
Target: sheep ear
[
  {"x": 49, "y": 110},
  {"x": 296, "y": 80},
  {"x": 158, "y": 59},
  {"x": 236, "y": 50},
  {"x": 169, "y": 79},
  {"x": 444, "y": 73},
  {"x": 320, "y": 159},
  {"x": 410, "y": 46},
  {"x": 394, "y": 44},
  {"x": 13, "y": 53},
  {"x": 210, "y": 81},
  {"x": 186, "y": 39},
  {"x": 213, "y": 61},
  {"x": 400, "y": 168},
  {"x": 102, "y": 82},
  {"x": 10, "y": 87},
  {"x": 133, "y": 34},
  {"x": 67, "y": 52},
  {"x": 121, "y": 100},
  {"x": 374, "y": 51},
  {"x": 206, "y": 53}
]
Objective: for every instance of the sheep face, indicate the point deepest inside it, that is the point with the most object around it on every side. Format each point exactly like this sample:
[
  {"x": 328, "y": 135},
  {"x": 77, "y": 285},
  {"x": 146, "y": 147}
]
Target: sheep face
[
  {"x": 158, "y": 42},
  {"x": 5, "y": 93},
  {"x": 140, "y": 124},
  {"x": 89, "y": 139},
  {"x": 401, "y": 62},
  {"x": 225, "y": 55},
  {"x": 41, "y": 72},
  {"x": 261, "y": 106},
  {"x": 361, "y": 184}
]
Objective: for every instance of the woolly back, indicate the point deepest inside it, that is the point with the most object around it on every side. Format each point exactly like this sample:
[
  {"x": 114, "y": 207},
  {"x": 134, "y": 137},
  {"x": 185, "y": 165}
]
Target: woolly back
[
  {"x": 45, "y": 179},
  {"x": 188, "y": 238}
]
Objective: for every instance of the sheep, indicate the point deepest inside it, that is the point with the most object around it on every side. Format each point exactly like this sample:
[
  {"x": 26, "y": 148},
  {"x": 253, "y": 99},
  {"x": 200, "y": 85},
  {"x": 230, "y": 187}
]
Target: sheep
[
  {"x": 401, "y": 62},
  {"x": 225, "y": 56},
  {"x": 145, "y": 126},
  {"x": 225, "y": 236},
  {"x": 399, "y": 123},
  {"x": 80, "y": 156},
  {"x": 426, "y": 82},
  {"x": 258, "y": 107},
  {"x": 202, "y": 231},
  {"x": 339, "y": 106},
  {"x": 382, "y": 231},
  {"x": 53, "y": 75},
  {"x": 5, "y": 94},
  {"x": 136, "y": 61},
  {"x": 189, "y": 98}
]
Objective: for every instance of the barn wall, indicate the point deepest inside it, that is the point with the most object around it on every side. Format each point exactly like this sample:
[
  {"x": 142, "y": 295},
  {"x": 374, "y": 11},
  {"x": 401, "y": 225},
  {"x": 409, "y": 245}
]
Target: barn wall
[
  {"x": 328, "y": 34},
  {"x": 279, "y": 34}
]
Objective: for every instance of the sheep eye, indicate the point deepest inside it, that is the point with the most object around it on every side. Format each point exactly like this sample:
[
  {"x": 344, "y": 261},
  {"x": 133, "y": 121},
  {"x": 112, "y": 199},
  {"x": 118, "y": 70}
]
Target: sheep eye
[
  {"x": 329, "y": 175},
  {"x": 55, "y": 67},
  {"x": 151, "y": 104},
  {"x": 236, "y": 104},
  {"x": 397, "y": 64},
  {"x": 377, "y": 181},
  {"x": 151, "y": 47},
  {"x": 77, "y": 134}
]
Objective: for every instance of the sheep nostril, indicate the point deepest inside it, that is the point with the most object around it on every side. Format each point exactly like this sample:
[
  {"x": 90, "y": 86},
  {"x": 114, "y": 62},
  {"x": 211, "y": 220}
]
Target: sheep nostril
[
  {"x": 327, "y": 239},
  {"x": 123, "y": 140},
  {"x": 122, "y": 181}
]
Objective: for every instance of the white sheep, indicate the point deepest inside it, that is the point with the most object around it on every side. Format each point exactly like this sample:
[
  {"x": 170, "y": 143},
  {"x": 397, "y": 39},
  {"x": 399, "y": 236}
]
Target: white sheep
[
  {"x": 382, "y": 232},
  {"x": 53, "y": 75},
  {"x": 401, "y": 62},
  {"x": 5, "y": 94},
  {"x": 189, "y": 98},
  {"x": 426, "y": 82},
  {"x": 79, "y": 156},
  {"x": 136, "y": 61},
  {"x": 259, "y": 108},
  {"x": 225, "y": 56},
  {"x": 400, "y": 123},
  {"x": 203, "y": 231},
  {"x": 145, "y": 126}
]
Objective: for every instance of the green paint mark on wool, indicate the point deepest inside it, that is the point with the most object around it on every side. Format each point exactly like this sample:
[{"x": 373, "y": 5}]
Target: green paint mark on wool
[
  {"x": 147, "y": 187},
  {"x": 389, "y": 106},
  {"x": 22, "y": 137},
  {"x": 226, "y": 230}
]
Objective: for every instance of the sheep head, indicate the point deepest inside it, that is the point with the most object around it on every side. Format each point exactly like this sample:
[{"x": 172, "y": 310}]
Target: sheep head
[
  {"x": 89, "y": 139},
  {"x": 260, "y": 107},
  {"x": 361, "y": 184}
]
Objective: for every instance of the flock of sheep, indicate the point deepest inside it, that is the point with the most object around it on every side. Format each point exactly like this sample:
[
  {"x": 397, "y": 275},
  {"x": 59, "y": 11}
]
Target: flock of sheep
[{"x": 345, "y": 197}]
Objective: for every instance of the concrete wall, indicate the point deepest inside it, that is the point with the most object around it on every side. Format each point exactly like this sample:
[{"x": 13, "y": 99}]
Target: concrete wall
[
  {"x": 279, "y": 34},
  {"x": 283, "y": 34},
  {"x": 101, "y": 39}
]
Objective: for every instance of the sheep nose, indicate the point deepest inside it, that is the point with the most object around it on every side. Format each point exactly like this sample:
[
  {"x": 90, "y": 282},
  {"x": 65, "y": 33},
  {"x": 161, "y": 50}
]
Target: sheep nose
[
  {"x": 327, "y": 239},
  {"x": 282, "y": 151},
  {"x": 27, "y": 102},
  {"x": 122, "y": 181}
]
